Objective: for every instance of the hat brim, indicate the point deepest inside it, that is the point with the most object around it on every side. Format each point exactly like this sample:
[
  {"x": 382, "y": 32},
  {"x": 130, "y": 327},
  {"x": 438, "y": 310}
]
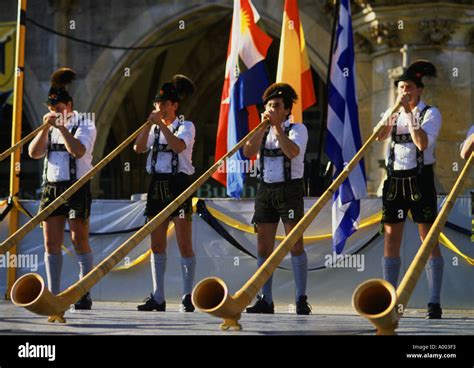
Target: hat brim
[
  {"x": 164, "y": 98},
  {"x": 418, "y": 82},
  {"x": 52, "y": 102}
]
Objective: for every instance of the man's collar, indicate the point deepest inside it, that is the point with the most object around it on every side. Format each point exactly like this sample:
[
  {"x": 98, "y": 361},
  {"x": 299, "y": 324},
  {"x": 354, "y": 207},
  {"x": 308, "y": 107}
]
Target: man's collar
[
  {"x": 286, "y": 123},
  {"x": 421, "y": 105},
  {"x": 175, "y": 122},
  {"x": 74, "y": 118}
]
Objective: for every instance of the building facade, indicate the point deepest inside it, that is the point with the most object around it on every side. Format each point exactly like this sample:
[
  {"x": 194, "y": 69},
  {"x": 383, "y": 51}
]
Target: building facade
[{"x": 123, "y": 50}]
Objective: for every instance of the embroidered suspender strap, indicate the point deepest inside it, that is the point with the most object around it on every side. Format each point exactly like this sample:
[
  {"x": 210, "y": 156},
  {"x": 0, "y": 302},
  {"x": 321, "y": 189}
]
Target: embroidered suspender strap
[
  {"x": 59, "y": 147},
  {"x": 402, "y": 138},
  {"x": 158, "y": 147},
  {"x": 155, "y": 148},
  {"x": 405, "y": 138},
  {"x": 45, "y": 161},
  {"x": 286, "y": 160},
  {"x": 262, "y": 151},
  {"x": 277, "y": 152},
  {"x": 72, "y": 159}
]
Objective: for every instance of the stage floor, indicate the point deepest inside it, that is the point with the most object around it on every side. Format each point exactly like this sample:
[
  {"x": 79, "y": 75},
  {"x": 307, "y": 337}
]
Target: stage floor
[{"x": 111, "y": 318}]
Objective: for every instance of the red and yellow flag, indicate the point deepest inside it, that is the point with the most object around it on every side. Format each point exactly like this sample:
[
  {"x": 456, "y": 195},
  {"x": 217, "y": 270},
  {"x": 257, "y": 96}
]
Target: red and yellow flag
[{"x": 293, "y": 62}]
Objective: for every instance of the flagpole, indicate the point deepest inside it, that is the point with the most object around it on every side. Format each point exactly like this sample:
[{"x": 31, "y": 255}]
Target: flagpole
[
  {"x": 324, "y": 117},
  {"x": 16, "y": 130}
]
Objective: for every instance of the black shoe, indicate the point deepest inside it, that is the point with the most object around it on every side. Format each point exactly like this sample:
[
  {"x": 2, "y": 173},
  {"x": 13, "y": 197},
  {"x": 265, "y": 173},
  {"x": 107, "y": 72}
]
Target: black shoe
[
  {"x": 85, "y": 303},
  {"x": 187, "y": 303},
  {"x": 151, "y": 304},
  {"x": 302, "y": 306},
  {"x": 434, "y": 311},
  {"x": 261, "y": 306}
]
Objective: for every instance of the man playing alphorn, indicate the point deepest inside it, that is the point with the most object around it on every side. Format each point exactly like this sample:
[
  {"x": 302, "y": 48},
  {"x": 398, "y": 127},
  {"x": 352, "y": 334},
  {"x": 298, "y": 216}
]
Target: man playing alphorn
[
  {"x": 170, "y": 141},
  {"x": 67, "y": 150},
  {"x": 410, "y": 181},
  {"x": 281, "y": 148}
]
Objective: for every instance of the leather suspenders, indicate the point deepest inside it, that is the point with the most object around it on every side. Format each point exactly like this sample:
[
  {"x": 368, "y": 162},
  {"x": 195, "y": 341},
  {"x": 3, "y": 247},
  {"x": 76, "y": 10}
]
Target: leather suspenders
[
  {"x": 158, "y": 147},
  {"x": 277, "y": 152},
  {"x": 59, "y": 147},
  {"x": 405, "y": 138}
]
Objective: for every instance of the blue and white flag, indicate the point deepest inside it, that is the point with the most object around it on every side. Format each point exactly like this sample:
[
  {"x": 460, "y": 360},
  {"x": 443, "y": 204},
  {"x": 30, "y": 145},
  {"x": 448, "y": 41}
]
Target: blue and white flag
[{"x": 343, "y": 138}]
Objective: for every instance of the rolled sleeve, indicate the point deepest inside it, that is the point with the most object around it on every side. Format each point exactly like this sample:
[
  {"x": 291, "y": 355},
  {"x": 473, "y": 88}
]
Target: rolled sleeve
[
  {"x": 151, "y": 138},
  {"x": 299, "y": 135},
  {"x": 431, "y": 125},
  {"x": 86, "y": 134},
  {"x": 186, "y": 132},
  {"x": 386, "y": 116}
]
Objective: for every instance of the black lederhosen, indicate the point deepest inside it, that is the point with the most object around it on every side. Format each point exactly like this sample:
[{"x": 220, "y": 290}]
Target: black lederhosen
[
  {"x": 409, "y": 191},
  {"x": 279, "y": 200},
  {"x": 77, "y": 206},
  {"x": 163, "y": 189}
]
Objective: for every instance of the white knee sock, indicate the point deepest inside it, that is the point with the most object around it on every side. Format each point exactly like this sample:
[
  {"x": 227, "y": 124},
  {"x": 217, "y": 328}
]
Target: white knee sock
[{"x": 54, "y": 265}]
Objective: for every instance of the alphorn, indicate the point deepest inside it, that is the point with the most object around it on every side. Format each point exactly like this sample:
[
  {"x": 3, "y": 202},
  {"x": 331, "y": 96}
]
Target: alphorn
[
  {"x": 211, "y": 295},
  {"x": 22, "y": 142},
  {"x": 30, "y": 225},
  {"x": 30, "y": 291},
  {"x": 377, "y": 300}
]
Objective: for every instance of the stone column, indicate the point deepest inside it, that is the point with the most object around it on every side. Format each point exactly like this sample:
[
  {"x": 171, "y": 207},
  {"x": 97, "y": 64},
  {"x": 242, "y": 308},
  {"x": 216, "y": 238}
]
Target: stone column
[{"x": 61, "y": 10}]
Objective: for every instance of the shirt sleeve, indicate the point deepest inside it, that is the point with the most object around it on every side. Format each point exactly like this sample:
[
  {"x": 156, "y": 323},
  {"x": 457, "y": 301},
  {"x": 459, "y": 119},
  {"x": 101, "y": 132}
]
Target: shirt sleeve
[
  {"x": 186, "y": 132},
  {"x": 388, "y": 120},
  {"x": 299, "y": 135},
  {"x": 386, "y": 115},
  {"x": 86, "y": 134},
  {"x": 151, "y": 138},
  {"x": 470, "y": 131},
  {"x": 432, "y": 124}
]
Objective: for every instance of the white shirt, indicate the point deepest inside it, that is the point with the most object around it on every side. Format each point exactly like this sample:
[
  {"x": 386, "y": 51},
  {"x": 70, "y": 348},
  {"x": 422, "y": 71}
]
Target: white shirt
[
  {"x": 273, "y": 171},
  {"x": 58, "y": 162},
  {"x": 469, "y": 133},
  {"x": 405, "y": 153},
  {"x": 187, "y": 133}
]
